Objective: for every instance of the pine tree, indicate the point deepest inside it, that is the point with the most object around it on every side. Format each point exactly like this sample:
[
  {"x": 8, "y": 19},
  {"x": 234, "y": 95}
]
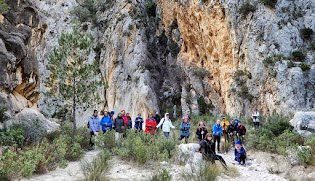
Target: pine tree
[{"x": 73, "y": 81}]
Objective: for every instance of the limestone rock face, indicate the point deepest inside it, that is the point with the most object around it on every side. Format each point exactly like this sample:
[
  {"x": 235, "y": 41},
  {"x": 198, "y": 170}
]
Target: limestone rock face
[
  {"x": 20, "y": 34},
  {"x": 217, "y": 38},
  {"x": 304, "y": 123}
]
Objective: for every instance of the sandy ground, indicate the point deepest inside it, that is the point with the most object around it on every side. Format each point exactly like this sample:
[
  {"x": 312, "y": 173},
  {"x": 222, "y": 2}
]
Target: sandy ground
[
  {"x": 72, "y": 172},
  {"x": 123, "y": 170},
  {"x": 255, "y": 171}
]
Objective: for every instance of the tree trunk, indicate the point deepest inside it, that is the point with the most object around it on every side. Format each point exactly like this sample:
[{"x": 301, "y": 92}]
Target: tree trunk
[{"x": 74, "y": 105}]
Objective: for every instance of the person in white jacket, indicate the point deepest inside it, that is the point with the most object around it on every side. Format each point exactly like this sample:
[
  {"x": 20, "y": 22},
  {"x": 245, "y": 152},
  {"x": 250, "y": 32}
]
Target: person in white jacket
[
  {"x": 255, "y": 117},
  {"x": 166, "y": 124}
]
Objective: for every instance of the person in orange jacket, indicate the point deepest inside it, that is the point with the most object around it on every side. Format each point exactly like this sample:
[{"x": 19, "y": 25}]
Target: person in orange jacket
[
  {"x": 150, "y": 124},
  {"x": 224, "y": 124}
]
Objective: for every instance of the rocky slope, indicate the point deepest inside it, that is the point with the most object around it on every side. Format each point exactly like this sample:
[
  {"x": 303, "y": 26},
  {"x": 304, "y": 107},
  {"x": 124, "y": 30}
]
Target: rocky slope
[{"x": 168, "y": 58}]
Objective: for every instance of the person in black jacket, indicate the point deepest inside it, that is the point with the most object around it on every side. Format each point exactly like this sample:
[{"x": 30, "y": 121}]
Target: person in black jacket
[
  {"x": 157, "y": 118},
  {"x": 241, "y": 131},
  {"x": 208, "y": 149},
  {"x": 231, "y": 131},
  {"x": 119, "y": 126},
  {"x": 129, "y": 123},
  {"x": 201, "y": 132}
]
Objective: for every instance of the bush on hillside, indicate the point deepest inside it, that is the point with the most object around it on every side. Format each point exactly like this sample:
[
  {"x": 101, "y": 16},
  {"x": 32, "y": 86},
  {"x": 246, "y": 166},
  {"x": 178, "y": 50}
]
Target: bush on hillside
[
  {"x": 246, "y": 9},
  {"x": 269, "y": 3},
  {"x": 306, "y": 33}
]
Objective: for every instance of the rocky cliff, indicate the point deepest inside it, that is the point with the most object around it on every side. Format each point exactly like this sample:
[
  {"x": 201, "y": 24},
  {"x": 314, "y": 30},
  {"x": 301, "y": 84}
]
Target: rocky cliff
[{"x": 180, "y": 56}]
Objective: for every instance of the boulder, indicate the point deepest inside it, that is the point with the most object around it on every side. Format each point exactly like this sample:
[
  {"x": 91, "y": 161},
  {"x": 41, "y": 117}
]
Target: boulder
[
  {"x": 304, "y": 123},
  {"x": 29, "y": 115}
]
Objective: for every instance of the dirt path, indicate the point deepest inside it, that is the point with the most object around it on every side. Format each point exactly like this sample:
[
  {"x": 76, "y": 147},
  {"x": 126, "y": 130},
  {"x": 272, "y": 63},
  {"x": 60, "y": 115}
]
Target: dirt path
[
  {"x": 72, "y": 172},
  {"x": 255, "y": 171},
  {"x": 124, "y": 170}
]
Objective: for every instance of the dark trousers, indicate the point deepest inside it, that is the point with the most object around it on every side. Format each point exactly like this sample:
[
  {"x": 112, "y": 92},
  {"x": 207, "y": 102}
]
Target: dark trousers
[
  {"x": 213, "y": 157},
  {"x": 91, "y": 144},
  {"x": 256, "y": 125},
  {"x": 217, "y": 139},
  {"x": 241, "y": 159},
  {"x": 186, "y": 138}
]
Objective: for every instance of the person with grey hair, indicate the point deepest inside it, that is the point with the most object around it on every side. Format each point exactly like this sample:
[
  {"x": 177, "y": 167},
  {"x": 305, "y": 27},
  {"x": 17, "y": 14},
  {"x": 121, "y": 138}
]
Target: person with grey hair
[
  {"x": 94, "y": 127},
  {"x": 217, "y": 130},
  {"x": 119, "y": 126}
]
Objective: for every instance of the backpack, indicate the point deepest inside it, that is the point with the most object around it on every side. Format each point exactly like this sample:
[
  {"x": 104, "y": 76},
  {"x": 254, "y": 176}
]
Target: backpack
[{"x": 88, "y": 125}]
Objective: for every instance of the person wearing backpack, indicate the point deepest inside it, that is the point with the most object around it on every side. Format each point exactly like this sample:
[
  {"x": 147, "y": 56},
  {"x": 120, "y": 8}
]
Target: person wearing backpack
[
  {"x": 119, "y": 126},
  {"x": 201, "y": 132},
  {"x": 255, "y": 117},
  {"x": 106, "y": 122},
  {"x": 231, "y": 131},
  {"x": 236, "y": 121},
  {"x": 157, "y": 118},
  {"x": 166, "y": 124},
  {"x": 138, "y": 123},
  {"x": 241, "y": 131},
  {"x": 217, "y": 130},
  {"x": 150, "y": 124},
  {"x": 94, "y": 127},
  {"x": 184, "y": 129},
  {"x": 129, "y": 121}
]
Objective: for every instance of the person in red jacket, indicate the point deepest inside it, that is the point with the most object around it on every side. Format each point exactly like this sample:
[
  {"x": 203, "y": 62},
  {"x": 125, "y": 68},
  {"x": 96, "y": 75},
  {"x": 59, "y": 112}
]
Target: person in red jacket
[
  {"x": 124, "y": 116},
  {"x": 150, "y": 124}
]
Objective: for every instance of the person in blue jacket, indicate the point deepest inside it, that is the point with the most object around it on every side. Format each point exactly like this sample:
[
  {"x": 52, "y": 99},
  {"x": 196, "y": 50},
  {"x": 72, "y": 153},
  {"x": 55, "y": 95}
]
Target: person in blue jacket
[
  {"x": 184, "y": 129},
  {"x": 236, "y": 121},
  {"x": 217, "y": 130},
  {"x": 138, "y": 123},
  {"x": 106, "y": 122},
  {"x": 94, "y": 127},
  {"x": 240, "y": 153}
]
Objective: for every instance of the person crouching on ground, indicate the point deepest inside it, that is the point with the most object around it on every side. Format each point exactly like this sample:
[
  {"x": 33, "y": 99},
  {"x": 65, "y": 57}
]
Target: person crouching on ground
[
  {"x": 94, "y": 127},
  {"x": 167, "y": 125},
  {"x": 208, "y": 149},
  {"x": 201, "y": 132},
  {"x": 240, "y": 153},
  {"x": 106, "y": 122},
  {"x": 120, "y": 126},
  {"x": 150, "y": 124},
  {"x": 184, "y": 129}
]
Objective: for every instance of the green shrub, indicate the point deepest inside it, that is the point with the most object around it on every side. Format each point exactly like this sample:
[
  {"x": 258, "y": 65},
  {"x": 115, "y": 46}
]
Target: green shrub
[
  {"x": 188, "y": 98},
  {"x": 11, "y": 137},
  {"x": 291, "y": 64},
  {"x": 203, "y": 106},
  {"x": 140, "y": 151},
  {"x": 200, "y": 72},
  {"x": 268, "y": 61},
  {"x": 306, "y": 33},
  {"x": 3, "y": 115},
  {"x": 278, "y": 123},
  {"x": 304, "y": 66},
  {"x": 311, "y": 47},
  {"x": 176, "y": 98},
  {"x": 163, "y": 175},
  {"x": 298, "y": 56},
  {"x": 306, "y": 156},
  {"x": 130, "y": 27},
  {"x": 173, "y": 47},
  {"x": 3, "y": 7},
  {"x": 149, "y": 66},
  {"x": 106, "y": 141},
  {"x": 246, "y": 9},
  {"x": 96, "y": 169},
  {"x": 151, "y": 8},
  {"x": 83, "y": 14},
  {"x": 269, "y": 3}
]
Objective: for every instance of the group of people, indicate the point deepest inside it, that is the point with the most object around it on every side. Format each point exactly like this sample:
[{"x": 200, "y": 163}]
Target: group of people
[{"x": 233, "y": 131}]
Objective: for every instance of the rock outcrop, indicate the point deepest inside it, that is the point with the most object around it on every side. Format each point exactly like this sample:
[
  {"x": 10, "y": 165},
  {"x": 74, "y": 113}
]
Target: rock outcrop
[
  {"x": 304, "y": 123},
  {"x": 21, "y": 32}
]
